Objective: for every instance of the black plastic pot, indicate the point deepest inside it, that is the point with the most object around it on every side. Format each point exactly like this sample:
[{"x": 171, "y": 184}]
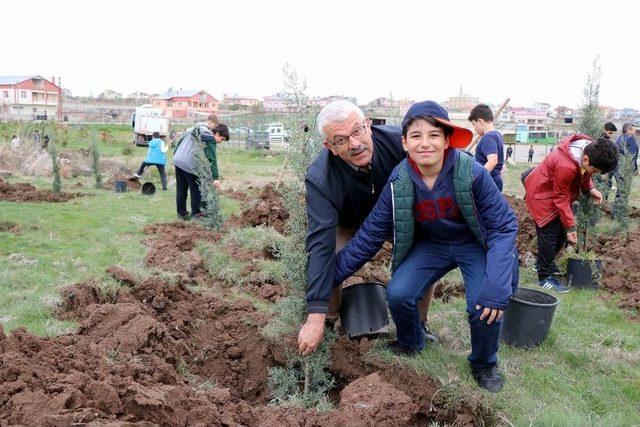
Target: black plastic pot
[
  {"x": 581, "y": 273},
  {"x": 120, "y": 186},
  {"x": 363, "y": 309},
  {"x": 528, "y": 318},
  {"x": 148, "y": 188}
]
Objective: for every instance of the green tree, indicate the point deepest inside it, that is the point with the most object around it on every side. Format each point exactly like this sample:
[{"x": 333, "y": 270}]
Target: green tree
[
  {"x": 588, "y": 214},
  {"x": 55, "y": 166},
  {"x": 95, "y": 161},
  {"x": 312, "y": 371}
]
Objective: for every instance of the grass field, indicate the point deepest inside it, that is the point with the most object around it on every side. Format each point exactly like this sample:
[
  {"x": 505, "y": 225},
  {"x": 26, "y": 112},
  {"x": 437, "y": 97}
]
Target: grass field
[{"x": 586, "y": 373}]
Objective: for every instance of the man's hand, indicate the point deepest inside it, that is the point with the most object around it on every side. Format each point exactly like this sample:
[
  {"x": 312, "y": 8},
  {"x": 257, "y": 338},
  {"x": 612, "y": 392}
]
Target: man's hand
[
  {"x": 596, "y": 196},
  {"x": 572, "y": 237},
  {"x": 311, "y": 334},
  {"x": 491, "y": 313},
  {"x": 216, "y": 184}
]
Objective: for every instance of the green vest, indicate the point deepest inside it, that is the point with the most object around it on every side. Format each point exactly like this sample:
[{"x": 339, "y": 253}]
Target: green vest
[{"x": 402, "y": 195}]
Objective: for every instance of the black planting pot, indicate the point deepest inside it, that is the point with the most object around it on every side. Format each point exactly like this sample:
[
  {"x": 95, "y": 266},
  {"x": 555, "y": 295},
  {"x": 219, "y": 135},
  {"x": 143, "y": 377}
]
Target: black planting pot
[
  {"x": 120, "y": 186},
  {"x": 363, "y": 309},
  {"x": 528, "y": 318},
  {"x": 581, "y": 273},
  {"x": 148, "y": 188}
]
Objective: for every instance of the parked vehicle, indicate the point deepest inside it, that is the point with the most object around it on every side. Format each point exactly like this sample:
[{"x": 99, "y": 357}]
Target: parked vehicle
[
  {"x": 278, "y": 137},
  {"x": 145, "y": 121},
  {"x": 257, "y": 140}
]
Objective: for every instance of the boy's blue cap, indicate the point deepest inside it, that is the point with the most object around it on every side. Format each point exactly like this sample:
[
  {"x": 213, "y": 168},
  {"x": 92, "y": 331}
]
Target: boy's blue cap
[{"x": 460, "y": 138}]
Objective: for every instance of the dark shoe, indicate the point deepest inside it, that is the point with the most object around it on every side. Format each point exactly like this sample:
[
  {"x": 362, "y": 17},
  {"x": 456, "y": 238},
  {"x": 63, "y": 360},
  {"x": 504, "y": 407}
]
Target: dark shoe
[
  {"x": 428, "y": 335},
  {"x": 185, "y": 216},
  {"x": 556, "y": 271},
  {"x": 198, "y": 215},
  {"x": 552, "y": 284},
  {"x": 395, "y": 348},
  {"x": 488, "y": 377}
]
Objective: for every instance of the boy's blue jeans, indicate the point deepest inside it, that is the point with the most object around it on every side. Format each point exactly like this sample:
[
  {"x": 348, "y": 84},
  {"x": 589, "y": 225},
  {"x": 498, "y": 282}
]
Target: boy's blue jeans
[{"x": 425, "y": 264}]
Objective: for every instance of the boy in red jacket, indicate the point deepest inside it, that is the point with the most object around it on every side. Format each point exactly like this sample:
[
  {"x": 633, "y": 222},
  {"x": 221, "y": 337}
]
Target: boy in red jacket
[{"x": 553, "y": 186}]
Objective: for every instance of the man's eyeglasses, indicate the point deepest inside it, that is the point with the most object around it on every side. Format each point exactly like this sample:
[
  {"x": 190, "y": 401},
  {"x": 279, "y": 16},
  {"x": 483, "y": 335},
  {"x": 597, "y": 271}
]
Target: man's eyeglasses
[{"x": 341, "y": 141}]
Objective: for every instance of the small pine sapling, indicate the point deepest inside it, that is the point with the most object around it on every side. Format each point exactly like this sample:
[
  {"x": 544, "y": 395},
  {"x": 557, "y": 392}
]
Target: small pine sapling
[
  {"x": 55, "y": 167},
  {"x": 95, "y": 161},
  {"x": 211, "y": 218}
]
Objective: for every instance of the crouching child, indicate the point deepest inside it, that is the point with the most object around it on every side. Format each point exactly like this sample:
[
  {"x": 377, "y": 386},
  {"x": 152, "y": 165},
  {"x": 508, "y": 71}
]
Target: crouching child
[{"x": 444, "y": 211}]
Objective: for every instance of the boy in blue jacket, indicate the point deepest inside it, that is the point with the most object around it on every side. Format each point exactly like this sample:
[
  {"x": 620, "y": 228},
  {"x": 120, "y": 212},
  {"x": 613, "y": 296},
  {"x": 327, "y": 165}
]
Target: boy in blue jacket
[
  {"x": 156, "y": 156},
  {"x": 444, "y": 211}
]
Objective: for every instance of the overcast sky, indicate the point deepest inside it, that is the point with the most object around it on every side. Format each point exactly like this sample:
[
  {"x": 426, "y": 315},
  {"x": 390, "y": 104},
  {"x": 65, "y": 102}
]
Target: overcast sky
[{"x": 528, "y": 50}]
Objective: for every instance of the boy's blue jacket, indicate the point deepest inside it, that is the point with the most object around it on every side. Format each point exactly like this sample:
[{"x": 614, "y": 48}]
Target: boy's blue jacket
[{"x": 495, "y": 218}]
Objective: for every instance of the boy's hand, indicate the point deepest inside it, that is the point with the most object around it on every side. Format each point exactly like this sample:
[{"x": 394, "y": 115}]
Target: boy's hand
[
  {"x": 216, "y": 184},
  {"x": 491, "y": 313},
  {"x": 596, "y": 196},
  {"x": 572, "y": 237},
  {"x": 311, "y": 334}
]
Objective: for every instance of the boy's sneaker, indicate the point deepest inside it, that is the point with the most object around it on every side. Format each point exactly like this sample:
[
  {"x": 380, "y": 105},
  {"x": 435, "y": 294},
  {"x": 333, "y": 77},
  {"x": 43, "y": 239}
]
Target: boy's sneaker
[
  {"x": 556, "y": 271},
  {"x": 395, "y": 348},
  {"x": 552, "y": 284},
  {"x": 488, "y": 377},
  {"x": 428, "y": 335},
  {"x": 135, "y": 177},
  {"x": 185, "y": 216}
]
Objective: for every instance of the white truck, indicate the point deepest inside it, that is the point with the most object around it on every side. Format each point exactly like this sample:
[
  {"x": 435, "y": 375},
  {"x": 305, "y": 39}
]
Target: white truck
[
  {"x": 278, "y": 136},
  {"x": 145, "y": 121}
]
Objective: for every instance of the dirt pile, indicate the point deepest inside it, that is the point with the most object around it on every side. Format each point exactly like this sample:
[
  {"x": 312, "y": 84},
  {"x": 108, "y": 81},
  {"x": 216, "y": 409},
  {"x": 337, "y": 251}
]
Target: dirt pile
[
  {"x": 267, "y": 209},
  {"x": 621, "y": 276},
  {"x": 131, "y": 184},
  {"x": 22, "y": 192},
  {"x": 172, "y": 247},
  {"x": 526, "y": 239},
  {"x": 10, "y": 227},
  {"x": 157, "y": 352}
]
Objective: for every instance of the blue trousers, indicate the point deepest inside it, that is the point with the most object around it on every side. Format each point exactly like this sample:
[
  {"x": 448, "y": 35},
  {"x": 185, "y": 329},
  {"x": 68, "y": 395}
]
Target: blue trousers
[{"x": 425, "y": 264}]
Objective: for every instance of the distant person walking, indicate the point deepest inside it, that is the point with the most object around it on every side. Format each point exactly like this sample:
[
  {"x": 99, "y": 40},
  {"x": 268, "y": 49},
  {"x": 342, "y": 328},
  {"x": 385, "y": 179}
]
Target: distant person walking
[
  {"x": 15, "y": 142},
  {"x": 509, "y": 152},
  {"x": 531, "y": 151},
  {"x": 156, "y": 156},
  {"x": 36, "y": 138},
  {"x": 45, "y": 142},
  {"x": 490, "y": 149}
]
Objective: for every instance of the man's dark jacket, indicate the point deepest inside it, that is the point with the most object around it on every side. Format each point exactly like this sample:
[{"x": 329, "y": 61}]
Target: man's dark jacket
[{"x": 338, "y": 194}]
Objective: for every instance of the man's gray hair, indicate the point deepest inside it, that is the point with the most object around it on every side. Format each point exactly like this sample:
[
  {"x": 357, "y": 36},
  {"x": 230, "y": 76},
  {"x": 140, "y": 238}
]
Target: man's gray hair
[
  {"x": 336, "y": 111},
  {"x": 626, "y": 127}
]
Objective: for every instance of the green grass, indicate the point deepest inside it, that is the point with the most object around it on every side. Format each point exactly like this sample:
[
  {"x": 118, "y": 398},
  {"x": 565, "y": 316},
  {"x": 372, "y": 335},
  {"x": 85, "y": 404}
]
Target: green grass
[{"x": 71, "y": 241}]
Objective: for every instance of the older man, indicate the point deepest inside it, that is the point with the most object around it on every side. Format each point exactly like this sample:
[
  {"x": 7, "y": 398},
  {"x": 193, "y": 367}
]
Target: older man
[{"x": 343, "y": 184}]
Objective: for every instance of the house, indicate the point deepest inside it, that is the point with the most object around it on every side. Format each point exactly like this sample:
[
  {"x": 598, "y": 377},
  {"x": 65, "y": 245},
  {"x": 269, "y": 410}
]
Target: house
[
  {"x": 242, "y": 101},
  {"x": 186, "y": 103},
  {"x": 534, "y": 119},
  {"x": 462, "y": 102},
  {"x": 110, "y": 94},
  {"x": 140, "y": 96},
  {"x": 278, "y": 103},
  {"x": 28, "y": 96}
]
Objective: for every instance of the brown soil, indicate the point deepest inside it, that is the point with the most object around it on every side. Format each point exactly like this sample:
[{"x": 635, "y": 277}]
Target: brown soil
[
  {"x": 267, "y": 209},
  {"x": 28, "y": 193},
  {"x": 157, "y": 352},
  {"x": 132, "y": 185},
  {"x": 173, "y": 248},
  {"x": 621, "y": 276},
  {"x": 526, "y": 239},
  {"x": 10, "y": 227},
  {"x": 237, "y": 195}
]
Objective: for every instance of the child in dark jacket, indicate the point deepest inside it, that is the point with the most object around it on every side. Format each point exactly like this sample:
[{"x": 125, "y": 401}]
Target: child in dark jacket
[
  {"x": 444, "y": 211},
  {"x": 553, "y": 186}
]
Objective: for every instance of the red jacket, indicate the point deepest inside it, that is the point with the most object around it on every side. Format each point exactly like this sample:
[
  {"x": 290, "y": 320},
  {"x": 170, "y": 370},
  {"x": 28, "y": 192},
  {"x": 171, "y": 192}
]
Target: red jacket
[{"x": 555, "y": 184}]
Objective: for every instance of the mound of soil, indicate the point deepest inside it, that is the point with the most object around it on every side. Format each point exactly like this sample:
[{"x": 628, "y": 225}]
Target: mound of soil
[
  {"x": 237, "y": 195},
  {"x": 9, "y": 227},
  {"x": 526, "y": 239},
  {"x": 22, "y": 192},
  {"x": 173, "y": 247},
  {"x": 267, "y": 209},
  {"x": 157, "y": 352},
  {"x": 621, "y": 276},
  {"x": 132, "y": 185}
]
